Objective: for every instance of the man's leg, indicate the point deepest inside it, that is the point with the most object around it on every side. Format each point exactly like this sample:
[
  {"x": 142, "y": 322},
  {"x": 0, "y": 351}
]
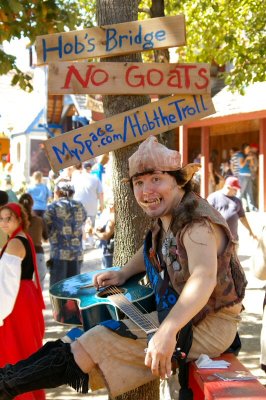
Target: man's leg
[
  {"x": 243, "y": 191},
  {"x": 108, "y": 263},
  {"x": 42, "y": 269},
  {"x": 82, "y": 359},
  {"x": 73, "y": 268},
  {"x": 250, "y": 196},
  {"x": 114, "y": 359},
  {"x": 58, "y": 272},
  {"x": 51, "y": 366},
  {"x": 263, "y": 340}
]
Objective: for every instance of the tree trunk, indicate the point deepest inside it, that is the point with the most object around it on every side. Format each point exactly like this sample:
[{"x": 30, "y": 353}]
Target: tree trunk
[
  {"x": 169, "y": 138},
  {"x": 150, "y": 391},
  {"x": 157, "y": 10},
  {"x": 131, "y": 222}
]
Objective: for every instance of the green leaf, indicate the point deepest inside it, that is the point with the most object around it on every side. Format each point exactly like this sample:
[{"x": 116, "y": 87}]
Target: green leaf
[{"x": 16, "y": 6}]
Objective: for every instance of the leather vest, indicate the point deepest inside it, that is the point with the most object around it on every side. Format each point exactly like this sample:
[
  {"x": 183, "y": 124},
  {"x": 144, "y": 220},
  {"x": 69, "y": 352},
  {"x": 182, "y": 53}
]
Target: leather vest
[
  {"x": 231, "y": 280},
  {"x": 165, "y": 298}
]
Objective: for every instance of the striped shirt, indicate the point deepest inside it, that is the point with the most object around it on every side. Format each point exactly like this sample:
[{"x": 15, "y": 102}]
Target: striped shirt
[{"x": 235, "y": 165}]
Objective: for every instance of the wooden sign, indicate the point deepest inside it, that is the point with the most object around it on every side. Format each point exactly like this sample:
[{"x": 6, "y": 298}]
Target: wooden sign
[
  {"x": 94, "y": 105},
  {"x": 128, "y": 78},
  {"x": 124, "y": 129},
  {"x": 112, "y": 40}
]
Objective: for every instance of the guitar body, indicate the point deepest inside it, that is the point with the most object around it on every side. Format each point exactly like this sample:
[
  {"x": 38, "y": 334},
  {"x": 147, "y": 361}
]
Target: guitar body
[{"x": 75, "y": 302}]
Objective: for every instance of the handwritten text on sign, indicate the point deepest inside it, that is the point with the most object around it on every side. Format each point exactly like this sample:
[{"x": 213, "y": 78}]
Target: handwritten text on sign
[
  {"x": 124, "y": 129},
  {"x": 128, "y": 78},
  {"x": 111, "y": 40}
]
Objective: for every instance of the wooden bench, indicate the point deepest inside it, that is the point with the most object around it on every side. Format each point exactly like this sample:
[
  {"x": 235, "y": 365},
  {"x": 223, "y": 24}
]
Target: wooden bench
[{"x": 206, "y": 386}]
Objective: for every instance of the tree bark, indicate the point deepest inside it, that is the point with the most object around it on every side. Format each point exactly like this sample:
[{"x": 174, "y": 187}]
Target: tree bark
[
  {"x": 131, "y": 222},
  {"x": 169, "y": 138}
]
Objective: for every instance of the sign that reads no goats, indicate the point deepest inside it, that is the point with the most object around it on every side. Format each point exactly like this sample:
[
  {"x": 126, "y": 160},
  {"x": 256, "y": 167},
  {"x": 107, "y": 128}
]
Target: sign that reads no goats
[
  {"x": 128, "y": 78},
  {"x": 124, "y": 129},
  {"x": 112, "y": 40}
]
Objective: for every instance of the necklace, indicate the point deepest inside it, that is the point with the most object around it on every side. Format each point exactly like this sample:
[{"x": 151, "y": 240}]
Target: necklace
[
  {"x": 169, "y": 246},
  {"x": 169, "y": 252},
  {"x": 168, "y": 242}
]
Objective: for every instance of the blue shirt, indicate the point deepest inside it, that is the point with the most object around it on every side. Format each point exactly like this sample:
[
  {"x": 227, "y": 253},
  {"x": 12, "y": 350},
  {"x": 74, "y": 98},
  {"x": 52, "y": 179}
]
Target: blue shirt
[
  {"x": 40, "y": 194},
  {"x": 98, "y": 170},
  {"x": 64, "y": 219},
  {"x": 246, "y": 169}
]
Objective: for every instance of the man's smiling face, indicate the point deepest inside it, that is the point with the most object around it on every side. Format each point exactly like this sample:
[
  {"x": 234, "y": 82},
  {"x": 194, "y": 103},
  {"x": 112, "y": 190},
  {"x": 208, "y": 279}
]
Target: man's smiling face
[{"x": 156, "y": 193}]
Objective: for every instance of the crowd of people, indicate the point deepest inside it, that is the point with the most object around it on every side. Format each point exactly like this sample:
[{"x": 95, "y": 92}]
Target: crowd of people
[
  {"x": 189, "y": 256},
  {"x": 62, "y": 210},
  {"x": 242, "y": 163}
]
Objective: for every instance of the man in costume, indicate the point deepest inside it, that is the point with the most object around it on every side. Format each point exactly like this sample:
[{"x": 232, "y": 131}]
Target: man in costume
[{"x": 190, "y": 259}]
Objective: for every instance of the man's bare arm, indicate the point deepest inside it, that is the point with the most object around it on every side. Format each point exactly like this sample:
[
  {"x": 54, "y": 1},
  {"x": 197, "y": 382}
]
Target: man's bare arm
[{"x": 201, "y": 247}]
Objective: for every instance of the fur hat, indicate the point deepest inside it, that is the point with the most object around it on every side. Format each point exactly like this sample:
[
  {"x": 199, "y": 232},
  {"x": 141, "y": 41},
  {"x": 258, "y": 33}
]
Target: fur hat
[{"x": 153, "y": 156}]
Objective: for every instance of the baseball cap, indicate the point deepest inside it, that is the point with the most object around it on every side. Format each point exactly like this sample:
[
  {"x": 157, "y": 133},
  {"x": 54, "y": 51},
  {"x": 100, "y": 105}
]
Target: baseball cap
[
  {"x": 254, "y": 146},
  {"x": 65, "y": 186},
  {"x": 233, "y": 182},
  {"x": 88, "y": 164}
]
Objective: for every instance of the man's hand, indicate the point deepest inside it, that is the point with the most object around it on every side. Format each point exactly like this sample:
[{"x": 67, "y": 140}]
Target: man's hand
[
  {"x": 159, "y": 353},
  {"x": 108, "y": 278},
  {"x": 255, "y": 237}
]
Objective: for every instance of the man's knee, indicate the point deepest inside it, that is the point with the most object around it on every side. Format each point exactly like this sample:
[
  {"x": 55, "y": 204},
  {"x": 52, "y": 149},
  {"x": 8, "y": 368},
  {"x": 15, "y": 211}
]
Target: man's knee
[{"x": 81, "y": 357}]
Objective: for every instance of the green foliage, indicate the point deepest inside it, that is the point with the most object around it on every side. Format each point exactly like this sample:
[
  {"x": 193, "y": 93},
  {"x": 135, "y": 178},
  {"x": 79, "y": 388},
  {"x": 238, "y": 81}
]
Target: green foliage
[
  {"x": 7, "y": 62},
  {"x": 88, "y": 11},
  {"x": 30, "y": 18},
  {"x": 23, "y": 80},
  {"x": 226, "y": 32},
  {"x": 24, "y": 18}
]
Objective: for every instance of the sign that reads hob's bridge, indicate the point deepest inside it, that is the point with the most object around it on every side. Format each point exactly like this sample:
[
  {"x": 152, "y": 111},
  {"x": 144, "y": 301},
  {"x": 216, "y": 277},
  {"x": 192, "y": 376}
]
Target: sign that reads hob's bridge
[
  {"x": 112, "y": 40},
  {"x": 124, "y": 129},
  {"x": 128, "y": 78}
]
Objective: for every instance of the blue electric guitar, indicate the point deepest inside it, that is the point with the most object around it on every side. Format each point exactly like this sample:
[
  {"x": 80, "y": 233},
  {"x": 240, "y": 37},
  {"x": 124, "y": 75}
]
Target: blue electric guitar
[{"x": 75, "y": 301}]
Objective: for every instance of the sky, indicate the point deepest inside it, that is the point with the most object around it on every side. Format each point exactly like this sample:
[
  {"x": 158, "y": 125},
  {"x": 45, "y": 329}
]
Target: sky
[
  {"x": 13, "y": 99},
  {"x": 17, "y": 47}
]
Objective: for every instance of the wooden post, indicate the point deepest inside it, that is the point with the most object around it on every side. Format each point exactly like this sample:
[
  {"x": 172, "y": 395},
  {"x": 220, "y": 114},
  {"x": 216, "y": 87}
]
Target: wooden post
[
  {"x": 205, "y": 152},
  {"x": 262, "y": 165},
  {"x": 183, "y": 143}
]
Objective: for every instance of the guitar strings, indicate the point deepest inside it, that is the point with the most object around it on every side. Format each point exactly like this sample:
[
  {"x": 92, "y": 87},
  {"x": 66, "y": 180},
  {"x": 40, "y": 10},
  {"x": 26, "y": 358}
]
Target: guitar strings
[
  {"x": 131, "y": 309},
  {"x": 145, "y": 323},
  {"x": 129, "y": 305}
]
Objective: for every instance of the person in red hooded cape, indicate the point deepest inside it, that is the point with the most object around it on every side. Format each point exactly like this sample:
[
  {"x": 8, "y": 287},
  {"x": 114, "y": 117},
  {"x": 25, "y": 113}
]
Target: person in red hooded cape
[{"x": 21, "y": 316}]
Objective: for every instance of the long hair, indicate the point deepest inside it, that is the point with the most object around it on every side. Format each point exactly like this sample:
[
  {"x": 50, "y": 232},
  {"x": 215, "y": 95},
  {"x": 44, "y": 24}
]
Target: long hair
[
  {"x": 23, "y": 214},
  {"x": 26, "y": 201},
  {"x": 187, "y": 211}
]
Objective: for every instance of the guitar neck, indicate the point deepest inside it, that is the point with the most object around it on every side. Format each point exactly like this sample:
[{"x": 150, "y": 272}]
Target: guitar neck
[{"x": 133, "y": 313}]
